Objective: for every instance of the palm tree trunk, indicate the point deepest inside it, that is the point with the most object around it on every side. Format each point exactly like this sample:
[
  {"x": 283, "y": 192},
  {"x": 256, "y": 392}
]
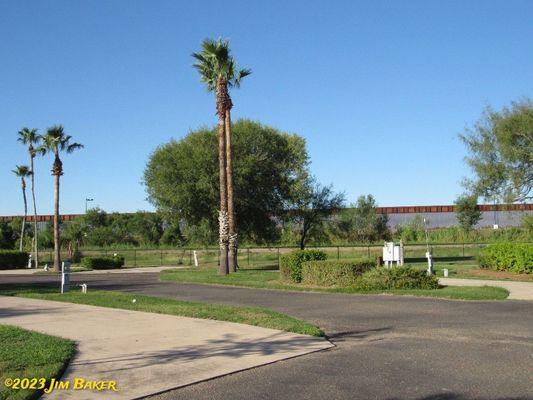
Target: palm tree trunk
[
  {"x": 35, "y": 233},
  {"x": 233, "y": 244},
  {"x": 57, "y": 244},
  {"x": 223, "y": 213},
  {"x": 21, "y": 246}
]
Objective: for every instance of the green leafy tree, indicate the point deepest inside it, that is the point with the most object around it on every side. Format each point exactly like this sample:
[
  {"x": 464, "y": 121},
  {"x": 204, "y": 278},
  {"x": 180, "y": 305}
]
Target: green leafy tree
[
  {"x": 467, "y": 212},
  {"x": 500, "y": 147},
  {"x": 361, "y": 222},
  {"x": 23, "y": 172},
  {"x": 218, "y": 71},
  {"x": 31, "y": 139},
  {"x": 181, "y": 177},
  {"x": 311, "y": 206},
  {"x": 57, "y": 141}
]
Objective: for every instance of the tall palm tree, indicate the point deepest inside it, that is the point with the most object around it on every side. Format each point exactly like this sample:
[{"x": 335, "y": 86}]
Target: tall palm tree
[
  {"x": 218, "y": 71},
  {"x": 56, "y": 141},
  {"x": 32, "y": 139},
  {"x": 22, "y": 171}
]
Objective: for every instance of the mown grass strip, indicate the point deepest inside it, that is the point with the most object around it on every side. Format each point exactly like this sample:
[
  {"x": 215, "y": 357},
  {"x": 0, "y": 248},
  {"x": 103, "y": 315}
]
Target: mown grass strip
[
  {"x": 28, "y": 354},
  {"x": 256, "y": 316},
  {"x": 270, "y": 280}
]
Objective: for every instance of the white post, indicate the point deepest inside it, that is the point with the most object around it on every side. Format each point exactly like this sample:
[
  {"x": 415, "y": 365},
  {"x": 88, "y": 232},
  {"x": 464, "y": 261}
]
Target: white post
[
  {"x": 195, "y": 253},
  {"x": 430, "y": 262},
  {"x": 29, "y": 261},
  {"x": 65, "y": 276}
]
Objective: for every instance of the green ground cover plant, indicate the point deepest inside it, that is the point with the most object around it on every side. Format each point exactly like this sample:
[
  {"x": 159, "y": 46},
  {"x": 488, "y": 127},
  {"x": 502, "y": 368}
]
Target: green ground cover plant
[
  {"x": 102, "y": 262},
  {"x": 334, "y": 272},
  {"x": 396, "y": 278},
  {"x": 514, "y": 257},
  {"x": 256, "y": 316},
  {"x": 27, "y": 354},
  {"x": 13, "y": 259},
  {"x": 291, "y": 264}
]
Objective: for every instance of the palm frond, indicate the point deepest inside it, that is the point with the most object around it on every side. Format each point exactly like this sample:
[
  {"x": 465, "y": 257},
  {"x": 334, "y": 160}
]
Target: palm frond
[
  {"x": 21, "y": 171},
  {"x": 215, "y": 62}
]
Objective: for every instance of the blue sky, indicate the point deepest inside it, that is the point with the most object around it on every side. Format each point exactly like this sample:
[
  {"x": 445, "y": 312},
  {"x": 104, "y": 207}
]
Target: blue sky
[{"x": 380, "y": 90}]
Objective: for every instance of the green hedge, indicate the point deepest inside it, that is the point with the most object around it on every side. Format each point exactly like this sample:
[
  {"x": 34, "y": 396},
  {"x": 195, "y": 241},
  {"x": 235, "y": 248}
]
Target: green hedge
[
  {"x": 290, "y": 266},
  {"x": 334, "y": 273},
  {"x": 13, "y": 259},
  {"x": 514, "y": 257},
  {"x": 397, "y": 278},
  {"x": 102, "y": 262}
]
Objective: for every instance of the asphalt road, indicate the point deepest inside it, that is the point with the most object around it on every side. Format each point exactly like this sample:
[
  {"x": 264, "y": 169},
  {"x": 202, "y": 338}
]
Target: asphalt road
[{"x": 387, "y": 347}]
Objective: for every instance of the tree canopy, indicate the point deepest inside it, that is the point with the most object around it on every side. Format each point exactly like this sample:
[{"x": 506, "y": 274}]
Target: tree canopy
[
  {"x": 500, "y": 147},
  {"x": 361, "y": 222},
  {"x": 467, "y": 211},
  {"x": 181, "y": 177}
]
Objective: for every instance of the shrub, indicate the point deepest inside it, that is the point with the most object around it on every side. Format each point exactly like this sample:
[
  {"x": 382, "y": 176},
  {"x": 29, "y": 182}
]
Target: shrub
[
  {"x": 102, "y": 262},
  {"x": 13, "y": 259},
  {"x": 397, "y": 278},
  {"x": 334, "y": 273},
  {"x": 290, "y": 267},
  {"x": 514, "y": 257}
]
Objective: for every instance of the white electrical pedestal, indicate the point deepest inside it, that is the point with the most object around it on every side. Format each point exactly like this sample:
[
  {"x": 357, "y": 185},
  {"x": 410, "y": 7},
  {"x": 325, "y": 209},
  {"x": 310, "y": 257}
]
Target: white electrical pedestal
[
  {"x": 65, "y": 277},
  {"x": 195, "y": 254},
  {"x": 392, "y": 253},
  {"x": 29, "y": 261},
  {"x": 429, "y": 256}
]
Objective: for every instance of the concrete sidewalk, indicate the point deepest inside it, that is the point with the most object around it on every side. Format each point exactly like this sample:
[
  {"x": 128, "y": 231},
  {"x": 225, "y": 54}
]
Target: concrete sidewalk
[
  {"x": 517, "y": 290},
  {"x": 148, "y": 353}
]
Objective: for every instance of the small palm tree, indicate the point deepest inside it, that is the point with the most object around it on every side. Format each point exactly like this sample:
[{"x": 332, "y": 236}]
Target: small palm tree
[
  {"x": 30, "y": 137},
  {"x": 218, "y": 71},
  {"x": 56, "y": 141},
  {"x": 22, "y": 171}
]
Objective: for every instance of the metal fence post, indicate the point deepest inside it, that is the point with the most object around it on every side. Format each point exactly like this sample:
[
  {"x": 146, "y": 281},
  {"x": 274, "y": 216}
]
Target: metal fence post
[
  {"x": 368, "y": 251},
  {"x": 161, "y": 257},
  {"x": 278, "y": 258},
  {"x": 248, "y": 256},
  {"x": 190, "y": 256},
  {"x": 338, "y": 253},
  {"x": 134, "y": 257},
  {"x": 463, "y": 248}
]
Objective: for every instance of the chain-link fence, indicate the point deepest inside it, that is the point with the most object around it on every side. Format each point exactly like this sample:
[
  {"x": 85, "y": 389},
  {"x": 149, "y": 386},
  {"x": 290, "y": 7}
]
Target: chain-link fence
[{"x": 269, "y": 257}]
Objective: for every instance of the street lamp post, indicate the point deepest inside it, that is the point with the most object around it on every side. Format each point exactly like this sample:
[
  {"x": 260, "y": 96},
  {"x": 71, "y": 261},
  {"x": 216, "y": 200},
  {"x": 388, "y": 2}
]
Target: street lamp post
[{"x": 86, "y": 201}]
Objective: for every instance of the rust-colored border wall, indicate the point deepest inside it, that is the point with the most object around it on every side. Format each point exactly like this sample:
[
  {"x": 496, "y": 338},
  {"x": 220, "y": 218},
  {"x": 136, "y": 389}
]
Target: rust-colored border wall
[{"x": 380, "y": 210}]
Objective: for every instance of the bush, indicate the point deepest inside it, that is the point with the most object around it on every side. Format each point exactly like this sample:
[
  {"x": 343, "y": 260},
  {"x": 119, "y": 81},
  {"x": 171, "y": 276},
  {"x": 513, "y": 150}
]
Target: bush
[
  {"x": 514, "y": 257},
  {"x": 13, "y": 259},
  {"x": 102, "y": 262},
  {"x": 290, "y": 267},
  {"x": 334, "y": 273},
  {"x": 397, "y": 278}
]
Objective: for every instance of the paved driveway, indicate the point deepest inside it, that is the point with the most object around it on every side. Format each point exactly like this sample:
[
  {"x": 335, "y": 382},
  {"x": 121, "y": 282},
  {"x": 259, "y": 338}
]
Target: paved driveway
[{"x": 388, "y": 347}]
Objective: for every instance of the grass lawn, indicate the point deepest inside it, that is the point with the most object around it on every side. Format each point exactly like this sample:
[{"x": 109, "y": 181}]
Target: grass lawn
[
  {"x": 267, "y": 279},
  {"x": 245, "y": 315},
  {"x": 27, "y": 354}
]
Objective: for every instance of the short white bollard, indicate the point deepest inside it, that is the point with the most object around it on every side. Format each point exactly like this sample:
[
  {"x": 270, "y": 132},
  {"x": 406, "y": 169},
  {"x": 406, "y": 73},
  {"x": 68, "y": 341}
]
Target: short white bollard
[
  {"x": 83, "y": 288},
  {"x": 195, "y": 253},
  {"x": 445, "y": 272},
  {"x": 429, "y": 256},
  {"x": 29, "y": 261},
  {"x": 46, "y": 267}
]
